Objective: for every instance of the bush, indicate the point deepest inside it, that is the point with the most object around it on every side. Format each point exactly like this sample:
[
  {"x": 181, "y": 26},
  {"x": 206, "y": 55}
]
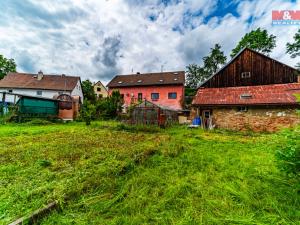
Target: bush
[{"x": 288, "y": 157}]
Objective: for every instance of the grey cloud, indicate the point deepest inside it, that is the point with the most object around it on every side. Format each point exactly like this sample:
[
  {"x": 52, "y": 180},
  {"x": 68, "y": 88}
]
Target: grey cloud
[
  {"x": 40, "y": 16},
  {"x": 24, "y": 61},
  {"x": 106, "y": 58}
]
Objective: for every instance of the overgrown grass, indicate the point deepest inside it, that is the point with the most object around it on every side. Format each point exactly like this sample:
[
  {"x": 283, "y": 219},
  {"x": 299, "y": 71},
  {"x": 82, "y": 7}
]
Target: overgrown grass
[{"x": 108, "y": 173}]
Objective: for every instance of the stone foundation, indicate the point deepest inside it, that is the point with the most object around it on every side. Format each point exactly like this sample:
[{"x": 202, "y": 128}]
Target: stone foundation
[{"x": 255, "y": 119}]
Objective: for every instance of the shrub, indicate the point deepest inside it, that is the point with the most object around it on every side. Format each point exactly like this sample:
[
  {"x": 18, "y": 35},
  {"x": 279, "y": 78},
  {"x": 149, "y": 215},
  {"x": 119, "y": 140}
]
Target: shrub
[{"x": 288, "y": 157}]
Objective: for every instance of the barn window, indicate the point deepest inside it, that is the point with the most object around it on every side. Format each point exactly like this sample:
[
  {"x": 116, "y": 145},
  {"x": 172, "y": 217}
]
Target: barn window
[
  {"x": 245, "y": 74},
  {"x": 172, "y": 95},
  {"x": 39, "y": 93},
  {"x": 10, "y": 90},
  {"x": 154, "y": 96},
  {"x": 242, "y": 108}
]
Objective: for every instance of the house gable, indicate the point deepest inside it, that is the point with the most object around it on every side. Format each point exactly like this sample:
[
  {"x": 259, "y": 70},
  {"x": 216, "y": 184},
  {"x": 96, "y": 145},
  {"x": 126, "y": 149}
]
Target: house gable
[{"x": 250, "y": 68}]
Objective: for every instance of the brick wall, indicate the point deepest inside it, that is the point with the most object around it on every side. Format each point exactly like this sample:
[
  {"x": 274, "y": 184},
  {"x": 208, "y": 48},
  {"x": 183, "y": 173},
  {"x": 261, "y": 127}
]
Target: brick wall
[{"x": 256, "y": 119}]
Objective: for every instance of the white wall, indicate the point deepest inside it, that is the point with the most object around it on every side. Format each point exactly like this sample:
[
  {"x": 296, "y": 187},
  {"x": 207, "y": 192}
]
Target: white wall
[
  {"x": 77, "y": 91},
  {"x": 30, "y": 92}
]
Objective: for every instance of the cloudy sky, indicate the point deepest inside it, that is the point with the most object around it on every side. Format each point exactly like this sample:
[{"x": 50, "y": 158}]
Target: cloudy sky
[{"x": 98, "y": 39}]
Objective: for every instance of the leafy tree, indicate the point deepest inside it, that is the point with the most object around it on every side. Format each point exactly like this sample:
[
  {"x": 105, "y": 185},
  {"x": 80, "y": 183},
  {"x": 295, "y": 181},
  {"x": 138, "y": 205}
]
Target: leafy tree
[
  {"x": 6, "y": 66},
  {"x": 258, "y": 40},
  {"x": 294, "y": 48},
  {"x": 211, "y": 63},
  {"x": 88, "y": 112},
  {"x": 88, "y": 91},
  {"x": 110, "y": 107}
]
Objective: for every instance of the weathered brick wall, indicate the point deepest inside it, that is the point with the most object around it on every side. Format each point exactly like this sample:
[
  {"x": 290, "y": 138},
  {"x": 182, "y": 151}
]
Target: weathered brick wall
[{"x": 256, "y": 119}]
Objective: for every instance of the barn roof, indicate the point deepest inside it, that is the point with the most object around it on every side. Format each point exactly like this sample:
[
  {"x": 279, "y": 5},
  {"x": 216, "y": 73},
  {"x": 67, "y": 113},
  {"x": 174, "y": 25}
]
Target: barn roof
[
  {"x": 48, "y": 82},
  {"x": 148, "y": 79},
  {"x": 274, "y": 94}
]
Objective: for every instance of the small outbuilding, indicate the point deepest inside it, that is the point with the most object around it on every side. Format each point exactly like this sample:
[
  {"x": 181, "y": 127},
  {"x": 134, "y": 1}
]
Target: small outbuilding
[{"x": 149, "y": 113}]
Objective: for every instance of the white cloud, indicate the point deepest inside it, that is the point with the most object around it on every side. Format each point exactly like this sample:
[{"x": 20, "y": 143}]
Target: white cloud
[{"x": 78, "y": 37}]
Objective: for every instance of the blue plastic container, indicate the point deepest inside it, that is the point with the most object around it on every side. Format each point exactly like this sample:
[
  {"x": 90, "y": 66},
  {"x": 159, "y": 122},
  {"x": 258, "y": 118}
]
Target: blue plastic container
[{"x": 197, "y": 121}]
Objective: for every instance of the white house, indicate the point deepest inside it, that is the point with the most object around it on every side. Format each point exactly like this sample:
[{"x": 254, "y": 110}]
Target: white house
[{"x": 46, "y": 86}]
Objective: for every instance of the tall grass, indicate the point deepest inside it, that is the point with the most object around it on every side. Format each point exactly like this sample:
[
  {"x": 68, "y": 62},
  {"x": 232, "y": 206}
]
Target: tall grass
[{"x": 110, "y": 174}]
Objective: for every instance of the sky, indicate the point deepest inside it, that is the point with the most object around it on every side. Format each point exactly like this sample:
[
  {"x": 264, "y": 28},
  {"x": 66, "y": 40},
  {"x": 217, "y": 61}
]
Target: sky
[{"x": 98, "y": 39}]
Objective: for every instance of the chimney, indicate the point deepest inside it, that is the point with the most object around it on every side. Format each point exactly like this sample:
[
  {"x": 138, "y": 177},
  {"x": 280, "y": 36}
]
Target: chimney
[{"x": 40, "y": 75}]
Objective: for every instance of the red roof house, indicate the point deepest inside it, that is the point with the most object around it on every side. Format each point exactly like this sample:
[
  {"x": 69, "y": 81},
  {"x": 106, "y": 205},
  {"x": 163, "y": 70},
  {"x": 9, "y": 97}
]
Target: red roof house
[
  {"x": 165, "y": 89},
  {"x": 252, "y": 91}
]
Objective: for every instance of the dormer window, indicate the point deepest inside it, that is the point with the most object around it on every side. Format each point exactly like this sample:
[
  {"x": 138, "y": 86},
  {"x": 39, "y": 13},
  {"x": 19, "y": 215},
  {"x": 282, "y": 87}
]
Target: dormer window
[
  {"x": 161, "y": 80},
  {"x": 139, "y": 81},
  {"x": 120, "y": 82},
  {"x": 245, "y": 74}
]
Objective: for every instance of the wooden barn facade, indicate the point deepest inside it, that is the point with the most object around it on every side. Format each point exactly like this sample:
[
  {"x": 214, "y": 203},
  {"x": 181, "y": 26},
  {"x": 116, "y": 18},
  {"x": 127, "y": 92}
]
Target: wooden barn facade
[{"x": 252, "y": 91}]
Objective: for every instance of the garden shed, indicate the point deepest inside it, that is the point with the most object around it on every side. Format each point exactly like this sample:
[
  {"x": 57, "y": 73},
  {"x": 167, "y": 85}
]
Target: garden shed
[
  {"x": 147, "y": 112},
  {"x": 29, "y": 106}
]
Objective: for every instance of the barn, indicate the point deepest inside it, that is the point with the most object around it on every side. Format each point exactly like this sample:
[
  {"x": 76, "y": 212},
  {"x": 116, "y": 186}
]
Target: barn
[{"x": 252, "y": 91}]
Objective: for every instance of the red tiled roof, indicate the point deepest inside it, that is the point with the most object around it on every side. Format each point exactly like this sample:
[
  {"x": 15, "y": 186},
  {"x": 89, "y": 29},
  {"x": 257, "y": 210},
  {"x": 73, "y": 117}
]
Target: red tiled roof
[
  {"x": 30, "y": 81},
  {"x": 275, "y": 94},
  {"x": 146, "y": 79}
]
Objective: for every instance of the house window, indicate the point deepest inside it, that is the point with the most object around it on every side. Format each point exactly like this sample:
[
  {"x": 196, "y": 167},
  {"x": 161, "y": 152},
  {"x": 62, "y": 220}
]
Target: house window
[
  {"x": 245, "y": 74},
  {"x": 154, "y": 96},
  {"x": 60, "y": 92},
  {"x": 39, "y": 93},
  {"x": 140, "y": 96},
  {"x": 10, "y": 90},
  {"x": 242, "y": 108},
  {"x": 98, "y": 89},
  {"x": 172, "y": 95}
]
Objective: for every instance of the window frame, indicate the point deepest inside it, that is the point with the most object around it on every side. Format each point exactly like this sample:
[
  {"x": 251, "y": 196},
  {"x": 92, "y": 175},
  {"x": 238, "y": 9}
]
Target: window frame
[
  {"x": 170, "y": 95},
  {"x": 245, "y": 75},
  {"x": 152, "y": 95},
  {"x": 140, "y": 96},
  {"x": 242, "y": 108},
  {"x": 99, "y": 89},
  {"x": 39, "y": 91}
]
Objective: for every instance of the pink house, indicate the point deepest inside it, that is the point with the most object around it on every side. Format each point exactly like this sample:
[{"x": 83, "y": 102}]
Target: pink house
[{"x": 165, "y": 89}]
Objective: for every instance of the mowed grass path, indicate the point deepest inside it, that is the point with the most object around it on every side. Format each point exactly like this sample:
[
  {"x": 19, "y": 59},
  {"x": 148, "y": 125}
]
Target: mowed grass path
[{"x": 112, "y": 174}]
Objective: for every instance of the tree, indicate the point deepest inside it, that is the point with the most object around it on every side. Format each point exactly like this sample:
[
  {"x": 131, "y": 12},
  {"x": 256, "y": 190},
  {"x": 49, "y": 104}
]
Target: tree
[
  {"x": 258, "y": 40},
  {"x": 294, "y": 48},
  {"x": 88, "y": 112},
  {"x": 6, "y": 66},
  {"x": 88, "y": 91},
  {"x": 110, "y": 106},
  {"x": 211, "y": 63}
]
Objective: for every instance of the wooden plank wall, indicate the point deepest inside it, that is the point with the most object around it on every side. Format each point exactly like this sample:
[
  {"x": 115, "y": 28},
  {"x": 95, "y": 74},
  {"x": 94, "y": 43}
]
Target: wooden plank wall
[{"x": 263, "y": 71}]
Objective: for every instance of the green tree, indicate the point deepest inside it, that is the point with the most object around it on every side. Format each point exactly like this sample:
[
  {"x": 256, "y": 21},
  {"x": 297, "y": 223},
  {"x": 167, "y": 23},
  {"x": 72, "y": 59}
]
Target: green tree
[
  {"x": 110, "y": 107},
  {"x": 88, "y": 111},
  {"x": 258, "y": 40},
  {"x": 211, "y": 63},
  {"x": 294, "y": 48},
  {"x": 88, "y": 91},
  {"x": 6, "y": 66}
]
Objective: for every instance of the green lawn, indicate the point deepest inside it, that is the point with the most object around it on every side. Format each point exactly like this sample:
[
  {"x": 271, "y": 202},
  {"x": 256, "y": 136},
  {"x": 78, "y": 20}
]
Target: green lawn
[{"x": 111, "y": 174}]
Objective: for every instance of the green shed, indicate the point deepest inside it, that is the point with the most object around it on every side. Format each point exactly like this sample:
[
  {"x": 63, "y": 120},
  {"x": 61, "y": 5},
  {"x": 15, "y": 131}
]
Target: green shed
[{"x": 30, "y": 106}]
